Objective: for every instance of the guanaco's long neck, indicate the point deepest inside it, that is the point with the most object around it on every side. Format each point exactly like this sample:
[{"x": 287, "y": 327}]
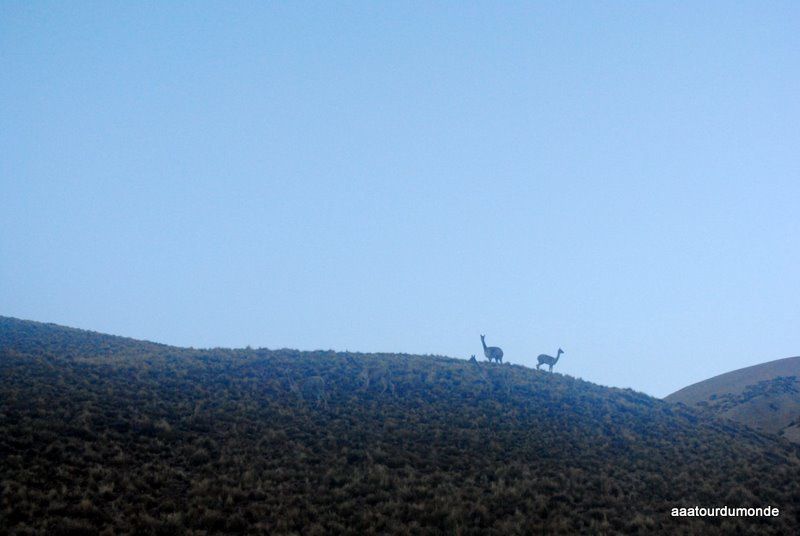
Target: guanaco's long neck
[
  {"x": 484, "y": 344},
  {"x": 558, "y": 356}
]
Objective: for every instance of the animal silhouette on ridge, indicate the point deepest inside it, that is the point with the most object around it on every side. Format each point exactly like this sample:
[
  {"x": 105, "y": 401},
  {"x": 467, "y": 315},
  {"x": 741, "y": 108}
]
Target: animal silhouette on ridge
[
  {"x": 545, "y": 359},
  {"x": 492, "y": 353}
]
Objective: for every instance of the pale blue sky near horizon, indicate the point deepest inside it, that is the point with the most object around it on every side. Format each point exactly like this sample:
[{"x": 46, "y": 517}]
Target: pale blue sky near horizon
[{"x": 619, "y": 179}]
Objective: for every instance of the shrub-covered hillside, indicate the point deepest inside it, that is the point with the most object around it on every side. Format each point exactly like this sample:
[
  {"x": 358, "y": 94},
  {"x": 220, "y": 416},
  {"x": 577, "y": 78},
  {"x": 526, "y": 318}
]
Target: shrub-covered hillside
[
  {"x": 765, "y": 396},
  {"x": 102, "y": 434}
]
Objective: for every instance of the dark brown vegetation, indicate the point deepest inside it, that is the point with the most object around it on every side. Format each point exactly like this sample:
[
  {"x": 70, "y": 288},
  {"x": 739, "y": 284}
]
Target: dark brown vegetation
[
  {"x": 102, "y": 434},
  {"x": 765, "y": 397}
]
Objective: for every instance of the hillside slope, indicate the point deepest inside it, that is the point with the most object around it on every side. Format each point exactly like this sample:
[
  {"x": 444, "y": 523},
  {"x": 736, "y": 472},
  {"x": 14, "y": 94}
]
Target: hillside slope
[
  {"x": 765, "y": 396},
  {"x": 101, "y": 433}
]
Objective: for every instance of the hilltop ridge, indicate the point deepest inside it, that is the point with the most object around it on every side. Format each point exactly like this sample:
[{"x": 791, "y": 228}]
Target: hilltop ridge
[
  {"x": 764, "y": 396},
  {"x": 108, "y": 433}
]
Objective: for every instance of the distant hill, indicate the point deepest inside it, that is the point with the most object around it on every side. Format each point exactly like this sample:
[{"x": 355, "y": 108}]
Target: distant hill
[
  {"x": 765, "y": 396},
  {"x": 102, "y": 434}
]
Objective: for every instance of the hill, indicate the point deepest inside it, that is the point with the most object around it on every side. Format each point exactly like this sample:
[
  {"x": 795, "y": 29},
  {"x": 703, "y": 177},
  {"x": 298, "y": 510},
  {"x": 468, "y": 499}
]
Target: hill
[
  {"x": 102, "y": 434},
  {"x": 765, "y": 396}
]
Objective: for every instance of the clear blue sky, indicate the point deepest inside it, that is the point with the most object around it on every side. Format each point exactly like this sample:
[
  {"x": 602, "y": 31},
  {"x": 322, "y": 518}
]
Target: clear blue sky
[{"x": 621, "y": 179}]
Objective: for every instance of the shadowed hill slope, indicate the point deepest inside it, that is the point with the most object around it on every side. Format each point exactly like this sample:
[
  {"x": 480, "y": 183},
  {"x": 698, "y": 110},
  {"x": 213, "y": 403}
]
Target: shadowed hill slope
[
  {"x": 765, "y": 396},
  {"x": 37, "y": 337},
  {"x": 107, "y": 433}
]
